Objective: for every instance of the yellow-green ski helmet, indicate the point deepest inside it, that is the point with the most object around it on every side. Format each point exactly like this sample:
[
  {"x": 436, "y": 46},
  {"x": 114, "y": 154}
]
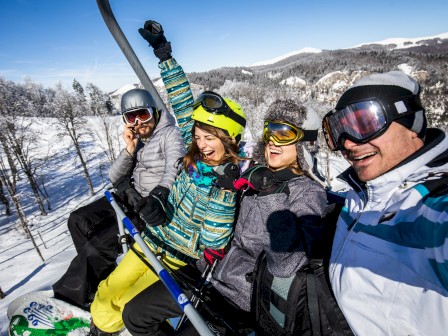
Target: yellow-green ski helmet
[{"x": 212, "y": 109}]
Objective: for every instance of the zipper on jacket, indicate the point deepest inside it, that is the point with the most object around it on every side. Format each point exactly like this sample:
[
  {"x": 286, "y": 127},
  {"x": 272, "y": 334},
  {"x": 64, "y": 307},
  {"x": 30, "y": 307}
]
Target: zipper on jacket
[{"x": 354, "y": 221}]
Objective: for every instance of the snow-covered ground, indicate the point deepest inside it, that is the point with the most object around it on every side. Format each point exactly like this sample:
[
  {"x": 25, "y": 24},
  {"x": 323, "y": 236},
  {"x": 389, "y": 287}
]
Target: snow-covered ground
[{"x": 21, "y": 269}]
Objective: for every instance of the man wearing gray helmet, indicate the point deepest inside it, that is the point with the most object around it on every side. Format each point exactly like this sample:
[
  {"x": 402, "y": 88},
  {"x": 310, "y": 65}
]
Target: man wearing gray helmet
[{"x": 142, "y": 175}]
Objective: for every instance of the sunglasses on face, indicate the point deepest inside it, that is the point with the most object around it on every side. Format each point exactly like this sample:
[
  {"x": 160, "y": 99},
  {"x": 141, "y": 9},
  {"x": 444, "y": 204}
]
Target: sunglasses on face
[
  {"x": 283, "y": 133},
  {"x": 215, "y": 104},
  {"x": 365, "y": 120},
  {"x": 142, "y": 114}
]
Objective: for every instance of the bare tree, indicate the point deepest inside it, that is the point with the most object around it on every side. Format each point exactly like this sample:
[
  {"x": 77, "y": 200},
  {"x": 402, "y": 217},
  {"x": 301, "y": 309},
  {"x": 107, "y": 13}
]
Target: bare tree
[
  {"x": 17, "y": 139},
  {"x": 101, "y": 106},
  {"x": 71, "y": 110},
  {"x": 11, "y": 187}
]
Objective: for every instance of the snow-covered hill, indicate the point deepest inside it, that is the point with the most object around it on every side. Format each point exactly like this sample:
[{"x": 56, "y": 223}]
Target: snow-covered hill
[
  {"x": 402, "y": 43},
  {"x": 292, "y": 53}
]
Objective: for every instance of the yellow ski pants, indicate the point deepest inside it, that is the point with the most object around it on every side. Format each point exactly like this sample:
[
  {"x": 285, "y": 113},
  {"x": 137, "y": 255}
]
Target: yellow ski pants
[{"x": 127, "y": 280}]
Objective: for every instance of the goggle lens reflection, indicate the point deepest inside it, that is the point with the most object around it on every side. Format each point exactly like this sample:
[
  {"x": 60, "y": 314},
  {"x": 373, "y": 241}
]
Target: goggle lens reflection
[{"x": 144, "y": 115}]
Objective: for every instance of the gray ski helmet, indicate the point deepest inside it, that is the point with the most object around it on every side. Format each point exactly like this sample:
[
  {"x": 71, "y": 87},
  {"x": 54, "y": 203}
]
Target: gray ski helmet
[{"x": 138, "y": 98}]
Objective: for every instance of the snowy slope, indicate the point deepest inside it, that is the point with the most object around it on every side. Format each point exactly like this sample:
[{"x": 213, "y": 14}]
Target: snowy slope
[{"x": 21, "y": 269}]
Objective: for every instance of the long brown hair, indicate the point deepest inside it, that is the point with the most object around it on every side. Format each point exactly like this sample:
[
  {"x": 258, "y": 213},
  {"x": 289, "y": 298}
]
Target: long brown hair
[{"x": 231, "y": 148}]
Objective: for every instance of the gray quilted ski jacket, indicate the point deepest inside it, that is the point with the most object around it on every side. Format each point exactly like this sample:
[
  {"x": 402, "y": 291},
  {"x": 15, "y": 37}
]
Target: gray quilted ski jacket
[
  {"x": 277, "y": 224},
  {"x": 155, "y": 159}
]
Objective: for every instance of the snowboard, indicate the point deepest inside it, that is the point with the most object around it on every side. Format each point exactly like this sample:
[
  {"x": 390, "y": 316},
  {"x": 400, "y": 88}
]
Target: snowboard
[{"x": 39, "y": 313}]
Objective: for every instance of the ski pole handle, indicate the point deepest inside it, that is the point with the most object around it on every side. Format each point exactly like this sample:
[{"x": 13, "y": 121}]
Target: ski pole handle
[{"x": 174, "y": 289}]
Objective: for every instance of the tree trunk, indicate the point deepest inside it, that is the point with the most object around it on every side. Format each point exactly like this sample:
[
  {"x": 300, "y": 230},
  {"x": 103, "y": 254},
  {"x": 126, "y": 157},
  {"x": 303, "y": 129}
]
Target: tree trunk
[
  {"x": 84, "y": 167},
  {"x": 35, "y": 189},
  {"x": 4, "y": 200},
  {"x": 70, "y": 126},
  {"x": 24, "y": 225}
]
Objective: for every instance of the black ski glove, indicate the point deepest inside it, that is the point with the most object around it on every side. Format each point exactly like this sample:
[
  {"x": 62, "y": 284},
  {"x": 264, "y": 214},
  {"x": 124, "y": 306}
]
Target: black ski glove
[
  {"x": 262, "y": 180},
  {"x": 256, "y": 178},
  {"x": 121, "y": 186},
  {"x": 132, "y": 197},
  {"x": 226, "y": 176},
  {"x": 152, "y": 32},
  {"x": 151, "y": 209}
]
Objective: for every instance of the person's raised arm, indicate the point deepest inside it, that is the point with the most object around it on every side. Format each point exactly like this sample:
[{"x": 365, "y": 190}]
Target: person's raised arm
[{"x": 173, "y": 76}]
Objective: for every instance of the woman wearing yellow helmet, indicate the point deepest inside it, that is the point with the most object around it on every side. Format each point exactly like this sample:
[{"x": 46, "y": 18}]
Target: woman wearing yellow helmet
[{"x": 200, "y": 208}]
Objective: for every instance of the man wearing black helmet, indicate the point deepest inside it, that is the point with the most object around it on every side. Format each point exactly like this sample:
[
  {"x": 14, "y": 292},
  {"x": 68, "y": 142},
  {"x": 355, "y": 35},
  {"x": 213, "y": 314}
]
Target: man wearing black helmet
[
  {"x": 142, "y": 175},
  {"x": 389, "y": 262}
]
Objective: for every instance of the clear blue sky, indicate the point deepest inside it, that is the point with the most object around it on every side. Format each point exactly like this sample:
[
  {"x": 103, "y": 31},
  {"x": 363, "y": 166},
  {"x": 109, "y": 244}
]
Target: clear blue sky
[{"x": 58, "y": 40}]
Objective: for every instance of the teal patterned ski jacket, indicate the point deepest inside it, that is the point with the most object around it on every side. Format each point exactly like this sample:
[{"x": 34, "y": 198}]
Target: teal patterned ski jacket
[{"x": 199, "y": 215}]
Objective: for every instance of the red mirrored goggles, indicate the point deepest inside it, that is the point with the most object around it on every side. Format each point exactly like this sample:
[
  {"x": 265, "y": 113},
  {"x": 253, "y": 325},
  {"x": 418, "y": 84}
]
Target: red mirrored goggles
[
  {"x": 141, "y": 114},
  {"x": 364, "y": 121}
]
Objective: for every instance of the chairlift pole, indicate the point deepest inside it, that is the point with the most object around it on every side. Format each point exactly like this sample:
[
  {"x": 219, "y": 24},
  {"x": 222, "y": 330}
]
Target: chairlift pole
[
  {"x": 174, "y": 289},
  {"x": 120, "y": 38}
]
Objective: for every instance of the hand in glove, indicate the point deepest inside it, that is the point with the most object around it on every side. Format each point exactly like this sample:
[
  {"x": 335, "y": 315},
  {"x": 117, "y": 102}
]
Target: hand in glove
[
  {"x": 152, "y": 32},
  {"x": 210, "y": 255},
  {"x": 132, "y": 197},
  {"x": 151, "y": 209},
  {"x": 121, "y": 186},
  {"x": 256, "y": 178},
  {"x": 262, "y": 180},
  {"x": 226, "y": 175}
]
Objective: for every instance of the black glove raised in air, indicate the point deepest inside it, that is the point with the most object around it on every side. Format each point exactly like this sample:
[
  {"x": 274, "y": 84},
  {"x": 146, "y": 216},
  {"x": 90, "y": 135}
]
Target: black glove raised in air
[
  {"x": 151, "y": 209},
  {"x": 152, "y": 32}
]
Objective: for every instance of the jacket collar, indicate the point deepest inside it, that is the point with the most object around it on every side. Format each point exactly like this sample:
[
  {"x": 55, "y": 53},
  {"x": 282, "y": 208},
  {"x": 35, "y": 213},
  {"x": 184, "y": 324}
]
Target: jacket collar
[{"x": 429, "y": 159}]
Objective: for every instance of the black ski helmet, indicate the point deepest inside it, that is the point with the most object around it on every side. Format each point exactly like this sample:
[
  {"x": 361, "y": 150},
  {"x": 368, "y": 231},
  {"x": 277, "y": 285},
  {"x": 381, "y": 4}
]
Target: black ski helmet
[{"x": 139, "y": 98}]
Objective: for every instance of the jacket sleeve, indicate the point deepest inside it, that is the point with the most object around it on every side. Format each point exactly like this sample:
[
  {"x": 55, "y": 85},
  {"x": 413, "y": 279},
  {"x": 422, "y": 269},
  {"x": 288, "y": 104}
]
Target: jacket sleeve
[
  {"x": 124, "y": 163},
  {"x": 179, "y": 95},
  {"x": 173, "y": 150},
  {"x": 219, "y": 221},
  {"x": 121, "y": 166}
]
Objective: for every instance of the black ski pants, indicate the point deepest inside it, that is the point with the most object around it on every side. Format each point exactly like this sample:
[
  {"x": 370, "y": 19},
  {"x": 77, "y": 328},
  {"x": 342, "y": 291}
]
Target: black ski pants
[
  {"x": 94, "y": 232},
  {"x": 147, "y": 313}
]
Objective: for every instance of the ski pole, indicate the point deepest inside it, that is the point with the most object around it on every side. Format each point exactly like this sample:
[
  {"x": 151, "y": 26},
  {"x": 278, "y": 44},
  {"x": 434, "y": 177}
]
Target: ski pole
[{"x": 174, "y": 289}]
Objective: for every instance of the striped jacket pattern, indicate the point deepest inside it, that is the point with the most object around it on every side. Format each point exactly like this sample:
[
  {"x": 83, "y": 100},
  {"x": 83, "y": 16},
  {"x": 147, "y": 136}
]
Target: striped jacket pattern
[
  {"x": 389, "y": 262},
  {"x": 197, "y": 216}
]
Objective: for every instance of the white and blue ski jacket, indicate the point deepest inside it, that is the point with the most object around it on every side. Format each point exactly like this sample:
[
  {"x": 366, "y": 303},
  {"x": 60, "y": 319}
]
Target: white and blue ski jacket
[{"x": 389, "y": 262}]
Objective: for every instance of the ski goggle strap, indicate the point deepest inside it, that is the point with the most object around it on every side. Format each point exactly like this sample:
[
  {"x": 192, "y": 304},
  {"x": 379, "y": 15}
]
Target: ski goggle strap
[
  {"x": 363, "y": 121},
  {"x": 215, "y": 104},
  {"x": 142, "y": 114},
  {"x": 283, "y": 133}
]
